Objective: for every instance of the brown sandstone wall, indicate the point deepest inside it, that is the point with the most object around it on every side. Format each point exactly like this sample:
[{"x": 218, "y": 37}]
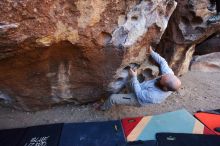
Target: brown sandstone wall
[{"x": 58, "y": 51}]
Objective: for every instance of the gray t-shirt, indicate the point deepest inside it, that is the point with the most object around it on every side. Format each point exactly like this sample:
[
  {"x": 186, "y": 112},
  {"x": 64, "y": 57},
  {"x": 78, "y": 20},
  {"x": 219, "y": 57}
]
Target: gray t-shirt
[{"x": 147, "y": 92}]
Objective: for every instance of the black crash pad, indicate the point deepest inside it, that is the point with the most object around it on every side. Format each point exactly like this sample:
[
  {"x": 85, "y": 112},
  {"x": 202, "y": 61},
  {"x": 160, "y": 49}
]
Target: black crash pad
[
  {"x": 45, "y": 135},
  {"x": 11, "y": 137},
  {"x": 108, "y": 133},
  {"x": 180, "y": 139},
  {"x": 215, "y": 111}
]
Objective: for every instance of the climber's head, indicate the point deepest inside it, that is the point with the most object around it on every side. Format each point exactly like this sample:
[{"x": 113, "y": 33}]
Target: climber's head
[{"x": 169, "y": 82}]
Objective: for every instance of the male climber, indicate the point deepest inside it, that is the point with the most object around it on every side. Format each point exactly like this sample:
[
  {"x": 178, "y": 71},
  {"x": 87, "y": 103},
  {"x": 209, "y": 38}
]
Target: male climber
[
  {"x": 147, "y": 92},
  {"x": 216, "y": 18}
]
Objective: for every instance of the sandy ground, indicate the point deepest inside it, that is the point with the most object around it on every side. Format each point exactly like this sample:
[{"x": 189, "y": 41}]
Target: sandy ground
[{"x": 200, "y": 91}]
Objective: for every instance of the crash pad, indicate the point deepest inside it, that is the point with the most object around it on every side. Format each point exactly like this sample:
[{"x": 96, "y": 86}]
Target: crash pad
[
  {"x": 109, "y": 133},
  {"x": 141, "y": 143},
  {"x": 45, "y": 135},
  {"x": 145, "y": 128},
  {"x": 211, "y": 120},
  {"x": 214, "y": 111},
  {"x": 11, "y": 137},
  {"x": 180, "y": 139}
]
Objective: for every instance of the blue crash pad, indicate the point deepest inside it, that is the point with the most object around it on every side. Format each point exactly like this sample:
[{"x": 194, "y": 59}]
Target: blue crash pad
[
  {"x": 107, "y": 133},
  {"x": 142, "y": 143}
]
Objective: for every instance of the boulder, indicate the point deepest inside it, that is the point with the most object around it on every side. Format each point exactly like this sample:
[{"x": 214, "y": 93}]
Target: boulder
[
  {"x": 186, "y": 29},
  {"x": 206, "y": 63},
  {"x": 54, "y": 52}
]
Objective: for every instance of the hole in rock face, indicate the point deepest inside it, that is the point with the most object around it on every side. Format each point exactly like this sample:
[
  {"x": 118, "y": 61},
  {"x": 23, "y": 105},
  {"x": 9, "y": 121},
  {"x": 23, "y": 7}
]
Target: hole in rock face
[
  {"x": 185, "y": 20},
  {"x": 104, "y": 38},
  {"x": 134, "y": 18},
  {"x": 132, "y": 65},
  {"x": 127, "y": 68},
  {"x": 141, "y": 78},
  {"x": 200, "y": 29},
  {"x": 197, "y": 20},
  {"x": 147, "y": 73},
  {"x": 161, "y": 12},
  {"x": 120, "y": 79}
]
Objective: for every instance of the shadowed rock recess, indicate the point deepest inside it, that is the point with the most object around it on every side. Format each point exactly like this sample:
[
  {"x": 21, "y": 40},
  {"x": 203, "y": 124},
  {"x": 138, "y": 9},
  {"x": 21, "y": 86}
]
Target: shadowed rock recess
[{"x": 62, "y": 51}]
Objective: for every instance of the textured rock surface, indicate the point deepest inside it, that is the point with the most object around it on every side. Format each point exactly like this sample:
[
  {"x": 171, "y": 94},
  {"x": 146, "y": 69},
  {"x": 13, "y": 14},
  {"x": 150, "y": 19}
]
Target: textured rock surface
[
  {"x": 207, "y": 63},
  {"x": 57, "y": 51},
  {"x": 187, "y": 27}
]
